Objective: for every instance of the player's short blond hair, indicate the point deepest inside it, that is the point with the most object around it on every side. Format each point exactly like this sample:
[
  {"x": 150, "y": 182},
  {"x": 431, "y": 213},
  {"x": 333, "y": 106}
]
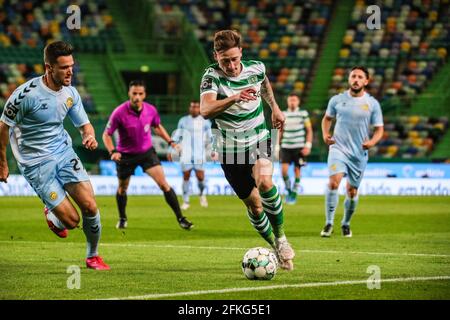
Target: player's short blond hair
[{"x": 226, "y": 39}]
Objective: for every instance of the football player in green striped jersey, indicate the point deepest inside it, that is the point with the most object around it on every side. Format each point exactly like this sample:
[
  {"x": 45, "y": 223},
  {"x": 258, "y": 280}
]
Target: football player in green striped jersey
[
  {"x": 231, "y": 93},
  {"x": 295, "y": 144}
]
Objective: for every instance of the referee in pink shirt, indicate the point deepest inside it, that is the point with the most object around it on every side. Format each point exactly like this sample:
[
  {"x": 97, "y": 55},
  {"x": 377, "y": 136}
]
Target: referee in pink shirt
[{"x": 133, "y": 121}]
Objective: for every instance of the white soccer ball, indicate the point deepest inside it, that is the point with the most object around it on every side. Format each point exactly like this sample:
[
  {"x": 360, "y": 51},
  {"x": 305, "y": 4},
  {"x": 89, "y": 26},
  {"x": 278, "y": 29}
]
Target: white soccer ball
[{"x": 259, "y": 264}]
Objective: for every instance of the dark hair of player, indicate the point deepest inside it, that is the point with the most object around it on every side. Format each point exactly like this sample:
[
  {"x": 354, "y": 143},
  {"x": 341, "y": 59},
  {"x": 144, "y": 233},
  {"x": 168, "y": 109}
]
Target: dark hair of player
[
  {"x": 137, "y": 83},
  {"x": 363, "y": 69},
  {"x": 56, "y": 49}
]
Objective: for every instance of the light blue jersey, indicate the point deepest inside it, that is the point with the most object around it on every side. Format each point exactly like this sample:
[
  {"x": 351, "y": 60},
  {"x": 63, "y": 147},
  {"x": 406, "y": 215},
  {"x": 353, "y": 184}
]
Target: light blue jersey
[
  {"x": 35, "y": 114},
  {"x": 194, "y": 135},
  {"x": 354, "y": 116},
  {"x": 41, "y": 146}
]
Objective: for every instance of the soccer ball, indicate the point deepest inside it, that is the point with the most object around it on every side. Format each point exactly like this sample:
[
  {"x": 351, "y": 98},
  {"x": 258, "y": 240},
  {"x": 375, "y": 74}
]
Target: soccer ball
[{"x": 259, "y": 264}]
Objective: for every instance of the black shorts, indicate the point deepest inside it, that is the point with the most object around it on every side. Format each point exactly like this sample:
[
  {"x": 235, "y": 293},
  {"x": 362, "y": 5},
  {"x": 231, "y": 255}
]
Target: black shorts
[
  {"x": 129, "y": 162},
  {"x": 291, "y": 156},
  {"x": 239, "y": 173}
]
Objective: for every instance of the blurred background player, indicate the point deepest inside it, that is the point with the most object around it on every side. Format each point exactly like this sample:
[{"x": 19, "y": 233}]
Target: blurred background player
[
  {"x": 296, "y": 138},
  {"x": 34, "y": 116},
  {"x": 194, "y": 136},
  {"x": 133, "y": 120},
  {"x": 231, "y": 92},
  {"x": 355, "y": 112}
]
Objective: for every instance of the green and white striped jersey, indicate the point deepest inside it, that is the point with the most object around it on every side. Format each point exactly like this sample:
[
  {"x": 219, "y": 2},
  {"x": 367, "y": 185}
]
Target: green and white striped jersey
[
  {"x": 243, "y": 124},
  {"x": 294, "y": 132}
]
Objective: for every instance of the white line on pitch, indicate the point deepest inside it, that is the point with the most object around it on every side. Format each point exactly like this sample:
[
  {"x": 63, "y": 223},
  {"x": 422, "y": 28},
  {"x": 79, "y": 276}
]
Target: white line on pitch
[
  {"x": 285, "y": 286},
  {"x": 235, "y": 248},
  {"x": 168, "y": 246}
]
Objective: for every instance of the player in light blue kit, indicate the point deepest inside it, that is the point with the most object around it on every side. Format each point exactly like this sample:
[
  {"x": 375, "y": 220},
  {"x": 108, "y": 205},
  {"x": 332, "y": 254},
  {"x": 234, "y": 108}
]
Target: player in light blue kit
[
  {"x": 33, "y": 121},
  {"x": 193, "y": 135},
  {"x": 355, "y": 111}
]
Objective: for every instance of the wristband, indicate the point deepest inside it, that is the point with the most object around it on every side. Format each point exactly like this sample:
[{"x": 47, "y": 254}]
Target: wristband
[
  {"x": 308, "y": 145},
  {"x": 113, "y": 151},
  {"x": 170, "y": 142}
]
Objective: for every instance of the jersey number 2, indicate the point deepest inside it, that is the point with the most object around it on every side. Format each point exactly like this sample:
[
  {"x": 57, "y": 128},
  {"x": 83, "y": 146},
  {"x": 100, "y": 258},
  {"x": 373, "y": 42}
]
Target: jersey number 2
[{"x": 75, "y": 163}]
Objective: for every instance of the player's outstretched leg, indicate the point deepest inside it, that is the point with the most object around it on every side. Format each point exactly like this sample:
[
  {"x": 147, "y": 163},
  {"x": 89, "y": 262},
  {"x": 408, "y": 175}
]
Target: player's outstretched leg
[
  {"x": 92, "y": 229},
  {"x": 273, "y": 207},
  {"x": 83, "y": 194},
  {"x": 262, "y": 226}
]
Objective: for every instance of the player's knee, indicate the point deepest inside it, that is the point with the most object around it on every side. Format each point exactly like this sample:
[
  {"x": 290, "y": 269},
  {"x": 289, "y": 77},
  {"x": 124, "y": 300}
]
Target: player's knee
[
  {"x": 122, "y": 191},
  {"x": 89, "y": 208},
  {"x": 72, "y": 221},
  {"x": 352, "y": 192},
  {"x": 256, "y": 209},
  {"x": 164, "y": 186},
  {"x": 265, "y": 184},
  {"x": 333, "y": 185}
]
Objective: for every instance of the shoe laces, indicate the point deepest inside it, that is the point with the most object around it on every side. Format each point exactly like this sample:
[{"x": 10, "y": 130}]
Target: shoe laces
[{"x": 284, "y": 247}]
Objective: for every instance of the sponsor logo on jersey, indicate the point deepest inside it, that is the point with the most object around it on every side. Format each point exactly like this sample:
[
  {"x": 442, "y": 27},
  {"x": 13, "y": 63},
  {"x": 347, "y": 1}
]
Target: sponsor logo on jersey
[
  {"x": 206, "y": 84},
  {"x": 53, "y": 195},
  {"x": 11, "y": 111}
]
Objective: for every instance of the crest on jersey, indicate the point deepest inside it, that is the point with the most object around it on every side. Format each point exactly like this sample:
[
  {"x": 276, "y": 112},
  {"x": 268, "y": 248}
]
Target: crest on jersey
[
  {"x": 365, "y": 107},
  {"x": 333, "y": 167},
  {"x": 69, "y": 102},
  {"x": 253, "y": 79},
  {"x": 53, "y": 195}
]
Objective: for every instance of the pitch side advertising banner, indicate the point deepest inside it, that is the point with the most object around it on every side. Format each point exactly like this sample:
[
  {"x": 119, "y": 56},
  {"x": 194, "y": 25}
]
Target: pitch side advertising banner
[{"x": 379, "y": 179}]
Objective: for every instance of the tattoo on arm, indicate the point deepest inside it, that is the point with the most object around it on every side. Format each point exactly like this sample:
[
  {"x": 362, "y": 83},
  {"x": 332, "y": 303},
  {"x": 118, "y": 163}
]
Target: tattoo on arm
[{"x": 267, "y": 92}]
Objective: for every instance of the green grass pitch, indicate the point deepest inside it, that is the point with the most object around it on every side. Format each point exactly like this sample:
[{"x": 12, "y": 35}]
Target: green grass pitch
[{"x": 407, "y": 238}]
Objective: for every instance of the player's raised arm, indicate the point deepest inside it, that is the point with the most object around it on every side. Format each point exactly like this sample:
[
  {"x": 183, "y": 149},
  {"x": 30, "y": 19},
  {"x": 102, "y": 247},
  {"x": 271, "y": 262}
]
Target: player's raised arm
[
  {"x": 278, "y": 117},
  {"x": 4, "y": 139},
  {"x": 88, "y": 136}
]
